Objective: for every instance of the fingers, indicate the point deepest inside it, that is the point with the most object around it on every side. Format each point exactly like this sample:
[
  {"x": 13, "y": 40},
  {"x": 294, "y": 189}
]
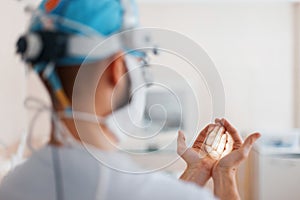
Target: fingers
[
  {"x": 212, "y": 136},
  {"x": 249, "y": 143},
  {"x": 237, "y": 140},
  {"x": 202, "y": 136},
  {"x": 228, "y": 146},
  {"x": 217, "y": 139},
  {"x": 222, "y": 145},
  {"x": 218, "y": 121},
  {"x": 181, "y": 145}
]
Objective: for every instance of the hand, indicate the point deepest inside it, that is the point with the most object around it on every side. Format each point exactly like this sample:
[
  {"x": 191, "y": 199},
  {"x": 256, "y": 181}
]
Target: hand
[
  {"x": 198, "y": 167},
  {"x": 224, "y": 171},
  {"x": 239, "y": 153}
]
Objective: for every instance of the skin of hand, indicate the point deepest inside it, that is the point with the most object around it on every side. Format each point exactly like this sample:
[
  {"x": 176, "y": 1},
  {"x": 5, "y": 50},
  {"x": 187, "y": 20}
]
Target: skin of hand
[
  {"x": 240, "y": 149},
  {"x": 200, "y": 169},
  {"x": 224, "y": 170}
]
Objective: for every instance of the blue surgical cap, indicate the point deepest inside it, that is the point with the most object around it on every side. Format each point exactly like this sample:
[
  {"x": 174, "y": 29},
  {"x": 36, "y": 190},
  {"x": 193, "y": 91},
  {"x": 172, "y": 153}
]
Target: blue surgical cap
[{"x": 102, "y": 16}]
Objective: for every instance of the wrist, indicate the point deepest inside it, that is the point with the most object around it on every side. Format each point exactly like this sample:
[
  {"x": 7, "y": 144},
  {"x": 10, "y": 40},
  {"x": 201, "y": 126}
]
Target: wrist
[
  {"x": 225, "y": 186},
  {"x": 224, "y": 172},
  {"x": 198, "y": 174},
  {"x": 199, "y": 167},
  {"x": 198, "y": 171}
]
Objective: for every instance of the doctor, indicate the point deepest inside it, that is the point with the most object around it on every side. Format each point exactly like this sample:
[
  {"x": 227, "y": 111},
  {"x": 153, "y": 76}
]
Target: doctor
[{"x": 64, "y": 169}]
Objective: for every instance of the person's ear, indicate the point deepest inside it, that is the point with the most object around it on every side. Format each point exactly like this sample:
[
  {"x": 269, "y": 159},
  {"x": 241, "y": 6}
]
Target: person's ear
[{"x": 117, "y": 68}]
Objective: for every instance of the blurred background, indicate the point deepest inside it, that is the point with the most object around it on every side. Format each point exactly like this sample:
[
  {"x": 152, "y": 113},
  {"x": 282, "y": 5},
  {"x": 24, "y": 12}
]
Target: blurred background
[{"x": 255, "y": 46}]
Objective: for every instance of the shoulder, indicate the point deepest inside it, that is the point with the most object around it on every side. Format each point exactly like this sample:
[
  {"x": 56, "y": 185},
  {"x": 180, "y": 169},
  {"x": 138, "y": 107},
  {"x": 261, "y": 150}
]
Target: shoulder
[{"x": 120, "y": 176}]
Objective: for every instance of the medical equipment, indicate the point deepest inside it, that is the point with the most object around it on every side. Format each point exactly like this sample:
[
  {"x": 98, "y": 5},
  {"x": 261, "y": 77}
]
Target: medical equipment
[{"x": 46, "y": 46}]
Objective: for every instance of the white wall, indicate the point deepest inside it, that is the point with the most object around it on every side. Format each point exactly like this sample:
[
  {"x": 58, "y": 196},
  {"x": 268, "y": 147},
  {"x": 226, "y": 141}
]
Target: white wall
[
  {"x": 252, "y": 47},
  {"x": 13, "y": 83},
  {"x": 297, "y": 65},
  {"x": 12, "y": 80}
]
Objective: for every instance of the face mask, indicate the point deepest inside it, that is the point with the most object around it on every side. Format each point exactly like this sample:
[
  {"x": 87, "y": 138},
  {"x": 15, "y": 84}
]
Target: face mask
[{"x": 127, "y": 120}]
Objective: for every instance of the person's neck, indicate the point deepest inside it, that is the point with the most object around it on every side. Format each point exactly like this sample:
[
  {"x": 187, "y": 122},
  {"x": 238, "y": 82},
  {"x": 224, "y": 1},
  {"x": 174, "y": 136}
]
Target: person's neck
[{"x": 88, "y": 133}]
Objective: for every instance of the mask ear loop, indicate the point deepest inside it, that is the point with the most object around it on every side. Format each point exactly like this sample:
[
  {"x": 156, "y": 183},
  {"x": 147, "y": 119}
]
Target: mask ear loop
[
  {"x": 60, "y": 130},
  {"x": 83, "y": 116}
]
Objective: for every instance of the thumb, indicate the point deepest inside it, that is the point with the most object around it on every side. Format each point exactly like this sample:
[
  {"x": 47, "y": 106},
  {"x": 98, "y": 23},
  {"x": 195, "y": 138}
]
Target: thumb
[
  {"x": 181, "y": 145},
  {"x": 249, "y": 143}
]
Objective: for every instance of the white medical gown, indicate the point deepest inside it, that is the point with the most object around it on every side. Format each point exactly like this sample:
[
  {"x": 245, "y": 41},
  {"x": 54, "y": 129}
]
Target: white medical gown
[{"x": 80, "y": 176}]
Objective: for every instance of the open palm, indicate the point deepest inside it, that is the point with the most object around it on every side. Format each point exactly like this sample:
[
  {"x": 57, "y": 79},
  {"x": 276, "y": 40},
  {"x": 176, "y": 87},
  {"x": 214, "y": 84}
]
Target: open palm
[
  {"x": 196, "y": 157},
  {"x": 240, "y": 149}
]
